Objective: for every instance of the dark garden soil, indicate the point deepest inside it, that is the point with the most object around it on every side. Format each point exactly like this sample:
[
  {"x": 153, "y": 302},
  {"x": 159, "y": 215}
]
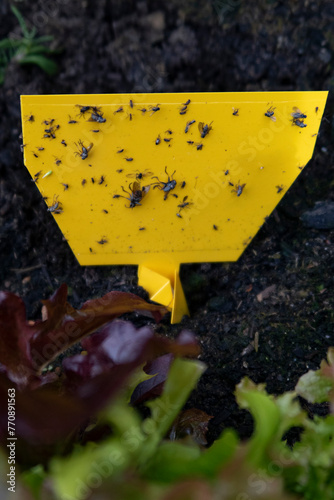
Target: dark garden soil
[{"x": 154, "y": 46}]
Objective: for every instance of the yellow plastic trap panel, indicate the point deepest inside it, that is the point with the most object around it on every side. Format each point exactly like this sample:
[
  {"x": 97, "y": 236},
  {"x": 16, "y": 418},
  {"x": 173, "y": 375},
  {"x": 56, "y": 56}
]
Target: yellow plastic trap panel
[{"x": 163, "y": 179}]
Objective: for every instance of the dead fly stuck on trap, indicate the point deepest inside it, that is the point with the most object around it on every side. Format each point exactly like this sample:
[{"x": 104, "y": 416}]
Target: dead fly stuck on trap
[{"x": 163, "y": 179}]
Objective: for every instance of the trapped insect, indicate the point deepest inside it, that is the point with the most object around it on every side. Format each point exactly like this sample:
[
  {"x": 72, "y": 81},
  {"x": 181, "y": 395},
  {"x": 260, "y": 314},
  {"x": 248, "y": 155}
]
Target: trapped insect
[
  {"x": 82, "y": 109},
  {"x": 119, "y": 110},
  {"x": 204, "y": 129},
  {"x": 235, "y": 112},
  {"x": 70, "y": 120},
  {"x": 188, "y": 125},
  {"x": 82, "y": 150},
  {"x": 102, "y": 241},
  {"x": 297, "y": 114},
  {"x": 30, "y": 118},
  {"x": 63, "y": 142},
  {"x": 165, "y": 186},
  {"x": 279, "y": 188},
  {"x": 135, "y": 195},
  {"x": 66, "y": 186},
  {"x": 140, "y": 175},
  {"x": 185, "y": 203},
  {"x": 270, "y": 113},
  {"x": 239, "y": 188},
  {"x": 158, "y": 140},
  {"x": 154, "y": 109},
  {"x": 128, "y": 159},
  {"x": 299, "y": 123},
  {"x": 96, "y": 116},
  {"x": 55, "y": 208}
]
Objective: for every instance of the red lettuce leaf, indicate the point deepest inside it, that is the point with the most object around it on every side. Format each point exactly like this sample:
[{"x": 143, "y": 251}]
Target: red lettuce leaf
[
  {"x": 26, "y": 348},
  {"x": 98, "y": 374},
  {"x": 152, "y": 388},
  {"x": 57, "y": 411}
]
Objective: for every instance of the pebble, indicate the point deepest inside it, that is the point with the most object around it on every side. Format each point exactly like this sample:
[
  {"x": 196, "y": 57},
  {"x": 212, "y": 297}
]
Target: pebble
[{"x": 321, "y": 216}]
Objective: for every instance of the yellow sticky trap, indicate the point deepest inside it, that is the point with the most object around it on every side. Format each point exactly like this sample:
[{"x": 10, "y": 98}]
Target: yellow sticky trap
[{"x": 163, "y": 179}]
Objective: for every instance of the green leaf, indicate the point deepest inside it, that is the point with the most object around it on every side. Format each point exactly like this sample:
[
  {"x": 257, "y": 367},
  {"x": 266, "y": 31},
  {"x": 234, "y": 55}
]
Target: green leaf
[
  {"x": 50, "y": 67},
  {"x": 314, "y": 387},
  {"x": 266, "y": 416},
  {"x": 178, "y": 460},
  {"x": 182, "y": 378},
  {"x": 34, "y": 479}
]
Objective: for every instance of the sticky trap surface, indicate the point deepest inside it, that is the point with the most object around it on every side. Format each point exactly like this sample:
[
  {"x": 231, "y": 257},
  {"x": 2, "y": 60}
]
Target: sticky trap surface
[{"x": 202, "y": 171}]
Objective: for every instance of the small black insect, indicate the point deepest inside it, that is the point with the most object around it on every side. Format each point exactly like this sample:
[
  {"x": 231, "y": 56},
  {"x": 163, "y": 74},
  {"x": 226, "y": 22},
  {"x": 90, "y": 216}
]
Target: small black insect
[
  {"x": 165, "y": 186},
  {"x": 158, "y": 140},
  {"x": 105, "y": 211},
  {"x": 143, "y": 110},
  {"x": 199, "y": 146},
  {"x": 102, "y": 179},
  {"x": 82, "y": 109},
  {"x": 297, "y": 114},
  {"x": 119, "y": 170},
  {"x": 167, "y": 139},
  {"x": 63, "y": 143},
  {"x": 30, "y": 118},
  {"x": 226, "y": 172},
  {"x": 35, "y": 155},
  {"x": 128, "y": 159},
  {"x": 316, "y": 109},
  {"x": 93, "y": 180},
  {"x": 55, "y": 208},
  {"x": 131, "y": 103},
  {"x": 135, "y": 195},
  {"x": 188, "y": 125},
  {"x": 140, "y": 175},
  {"x": 235, "y": 112},
  {"x": 40, "y": 149},
  {"x": 57, "y": 161},
  {"x": 270, "y": 113},
  {"x": 97, "y": 116},
  {"x": 65, "y": 186},
  {"x": 119, "y": 110},
  {"x": 83, "y": 182},
  {"x": 183, "y": 184},
  {"x": 279, "y": 188},
  {"x": 299, "y": 123},
  {"x": 154, "y": 109},
  {"x": 36, "y": 176},
  {"x": 185, "y": 203},
  {"x": 183, "y": 110},
  {"x": 142, "y": 228},
  {"x": 179, "y": 215},
  {"x": 187, "y": 103},
  {"x": 120, "y": 151},
  {"x": 204, "y": 129},
  {"x": 215, "y": 227},
  {"x": 169, "y": 131},
  {"x": 130, "y": 116},
  {"x": 70, "y": 120},
  {"x": 82, "y": 150},
  {"x": 102, "y": 241},
  {"x": 239, "y": 188},
  {"x": 190, "y": 142},
  {"x": 95, "y": 131}
]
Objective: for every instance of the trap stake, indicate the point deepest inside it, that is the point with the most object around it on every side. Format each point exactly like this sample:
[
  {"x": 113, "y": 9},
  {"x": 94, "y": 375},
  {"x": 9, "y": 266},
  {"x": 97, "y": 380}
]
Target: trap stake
[{"x": 158, "y": 180}]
